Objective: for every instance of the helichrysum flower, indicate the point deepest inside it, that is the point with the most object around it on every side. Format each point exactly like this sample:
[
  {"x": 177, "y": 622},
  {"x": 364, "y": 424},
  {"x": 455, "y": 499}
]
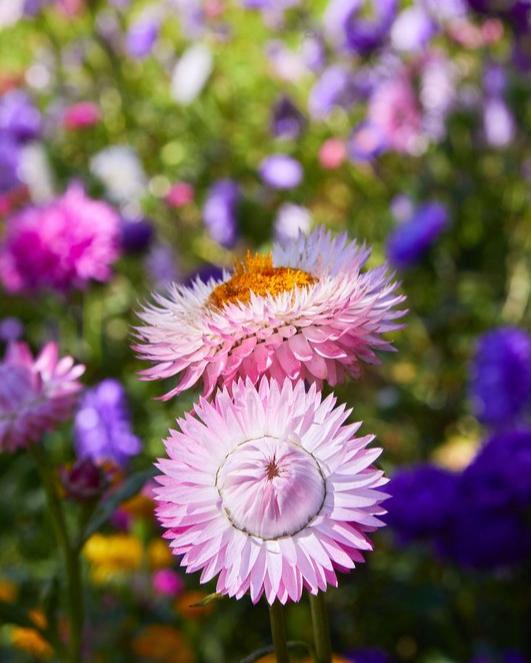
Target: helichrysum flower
[
  {"x": 102, "y": 425},
  {"x": 60, "y": 246},
  {"x": 306, "y": 311},
  {"x": 35, "y": 393},
  {"x": 269, "y": 491}
]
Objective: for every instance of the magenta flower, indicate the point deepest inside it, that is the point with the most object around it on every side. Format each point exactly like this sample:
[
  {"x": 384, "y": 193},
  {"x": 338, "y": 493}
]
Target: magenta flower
[
  {"x": 80, "y": 115},
  {"x": 35, "y": 394},
  {"x": 60, "y": 246},
  {"x": 269, "y": 491},
  {"x": 306, "y": 312}
]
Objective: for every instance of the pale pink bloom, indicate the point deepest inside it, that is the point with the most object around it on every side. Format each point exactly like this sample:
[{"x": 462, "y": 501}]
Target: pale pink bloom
[
  {"x": 394, "y": 109},
  {"x": 269, "y": 490},
  {"x": 35, "y": 394},
  {"x": 332, "y": 153},
  {"x": 306, "y": 312},
  {"x": 80, "y": 115}
]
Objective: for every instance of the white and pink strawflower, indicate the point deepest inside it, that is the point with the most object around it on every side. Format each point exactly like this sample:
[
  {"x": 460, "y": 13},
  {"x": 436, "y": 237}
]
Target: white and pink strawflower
[
  {"x": 306, "y": 311},
  {"x": 35, "y": 393},
  {"x": 268, "y": 489}
]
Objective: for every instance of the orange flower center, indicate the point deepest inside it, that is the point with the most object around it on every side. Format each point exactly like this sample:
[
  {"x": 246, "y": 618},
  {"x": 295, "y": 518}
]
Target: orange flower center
[{"x": 255, "y": 273}]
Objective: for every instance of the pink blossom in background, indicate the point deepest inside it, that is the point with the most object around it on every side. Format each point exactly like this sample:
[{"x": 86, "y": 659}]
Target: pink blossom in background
[
  {"x": 332, "y": 153},
  {"x": 328, "y": 317},
  {"x": 80, "y": 115},
  {"x": 35, "y": 393},
  {"x": 394, "y": 109},
  {"x": 269, "y": 490},
  {"x": 167, "y": 582},
  {"x": 180, "y": 194},
  {"x": 60, "y": 246}
]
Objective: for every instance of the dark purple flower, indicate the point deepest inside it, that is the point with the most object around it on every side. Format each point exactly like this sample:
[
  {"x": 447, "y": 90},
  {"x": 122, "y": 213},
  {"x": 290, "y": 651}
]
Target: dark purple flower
[
  {"x": 142, "y": 36},
  {"x": 19, "y": 117},
  {"x": 219, "y": 212},
  {"x": 410, "y": 240},
  {"x": 368, "y": 655},
  {"x": 422, "y": 501},
  {"x": 286, "y": 119},
  {"x": 281, "y": 171},
  {"x": 136, "y": 235},
  {"x": 488, "y": 528},
  {"x": 500, "y": 376},
  {"x": 364, "y": 35},
  {"x": 366, "y": 142},
  {"x": 494, "y": 80},
  {"x": 11, "y": 329},
  {"x": 84, "y": 481},
  {"x": 9, "y": 160},
  {"x": 102, "y": 425},
  {"x": 204, "y": 273},
  {"x": 161, "y": 265}
]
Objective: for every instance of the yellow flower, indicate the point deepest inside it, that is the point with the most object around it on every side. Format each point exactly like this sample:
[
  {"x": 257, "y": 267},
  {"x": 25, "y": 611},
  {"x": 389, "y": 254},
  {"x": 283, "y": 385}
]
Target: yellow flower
[
  {"x": 162, "y": 644},
  {"x": 159, "y": 554},
  {"x": 30, "y": 640},
  {"x": 112, "y": 554},
  {"x": 8, "y": 591}
]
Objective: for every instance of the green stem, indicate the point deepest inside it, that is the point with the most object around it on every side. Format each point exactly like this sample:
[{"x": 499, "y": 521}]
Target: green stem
[
  {"x": 278, "y": 631},
  {"x": 321, "y": 629},
  {"x": 71, "y": 558}
]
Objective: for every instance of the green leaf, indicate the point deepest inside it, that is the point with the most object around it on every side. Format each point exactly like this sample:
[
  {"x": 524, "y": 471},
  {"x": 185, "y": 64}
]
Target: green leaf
[{"x": 108, "y": 506}]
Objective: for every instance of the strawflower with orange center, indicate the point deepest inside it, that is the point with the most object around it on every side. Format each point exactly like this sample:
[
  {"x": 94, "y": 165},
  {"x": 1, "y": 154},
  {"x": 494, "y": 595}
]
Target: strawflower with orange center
[{"x": 306, "y": 311}]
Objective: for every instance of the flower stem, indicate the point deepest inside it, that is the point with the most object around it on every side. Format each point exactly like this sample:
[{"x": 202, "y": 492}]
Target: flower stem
[
  {"x": 321, "y": 629},
  {"x": 278, "y": 631},
  {"x": 74, "y": 590}
]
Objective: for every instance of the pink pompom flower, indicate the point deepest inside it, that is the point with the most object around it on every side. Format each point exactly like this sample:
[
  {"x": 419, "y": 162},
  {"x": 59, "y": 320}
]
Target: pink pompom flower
[
  {"x": 60, "y": 246},
  {"x": 35, "y": 393},
  {"x": 269, "y": 490},
  {"x": 306, "y": 311},
  {"x": 80, "y": 115}
]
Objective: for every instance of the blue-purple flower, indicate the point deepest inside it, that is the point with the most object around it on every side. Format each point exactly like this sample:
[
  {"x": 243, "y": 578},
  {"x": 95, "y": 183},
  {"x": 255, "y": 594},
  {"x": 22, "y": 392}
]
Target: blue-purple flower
[
  {"x": 286, "y": 119},
  {"x": 142, "y": 36},
  {"x": 500, "y": 376},
  {"x": 281, "y": 171},
  {"x": 364, "y": 35},
  {"x": 220, "y": 212},
  {"x": 411, "y": 239},
  {"x": 103, "y": 427},
  {"x": 18, "y": 116}
]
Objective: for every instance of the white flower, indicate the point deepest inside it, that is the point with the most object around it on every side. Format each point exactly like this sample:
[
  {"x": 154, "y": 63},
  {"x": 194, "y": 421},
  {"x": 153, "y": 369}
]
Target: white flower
[
  {"x": 191, "y": 73},
  {"x": 120, "y": 170}
]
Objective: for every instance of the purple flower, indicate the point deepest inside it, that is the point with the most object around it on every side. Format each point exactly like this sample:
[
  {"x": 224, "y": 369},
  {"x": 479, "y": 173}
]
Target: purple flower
[
  {"x": 11, "y": 329},
  {"x": 142, "y": 36},
  {"x": 219, "y": 212},
  {"x": 500, "y": 384},
  {"x": 370, "y": 655},
  {"x": 498, "y": 122},
  {"x": 204, "y": 273},
  {"x": 411, "y": 239},
  {"x": 9, "y": 161},
  {"x": 136, "y": 235},
  {"x": 281, "y": 171},
  {"x": 161, "y": 265},
  {"x": 494, "y": 80},
  {"x": 488, "y": 528},
  {"x": 290, "y": 221},
  {"x": 84, "y": 481},
  {"x": 286, "y": 119},
  {"x": 413, "y": 29},
  {"x": 364, "y": 35},
  {"x": 366, "y": 142},
  {"x": 102, "y": 426},
  {"x": 422, "y": 501},
  {"x": 19, "y": 117},
  {"x": 333, "y": 88}
]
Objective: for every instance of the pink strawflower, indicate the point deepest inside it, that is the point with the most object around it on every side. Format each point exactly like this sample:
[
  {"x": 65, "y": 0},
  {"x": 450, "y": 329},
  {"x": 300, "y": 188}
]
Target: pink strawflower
[
  {"x": 166, "y": 582},
  {"x": 269, "y": 490},
  {"x": 306, "y": 311},
  {"x": 332, "y": 153},
  {"x": 395, "y": 111},
  {"x": 35, "y": 394},
  {"x": 180, "y": 194},
  {"x": 81, "y": 115},
  {"x": 60, "y": 246}
]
